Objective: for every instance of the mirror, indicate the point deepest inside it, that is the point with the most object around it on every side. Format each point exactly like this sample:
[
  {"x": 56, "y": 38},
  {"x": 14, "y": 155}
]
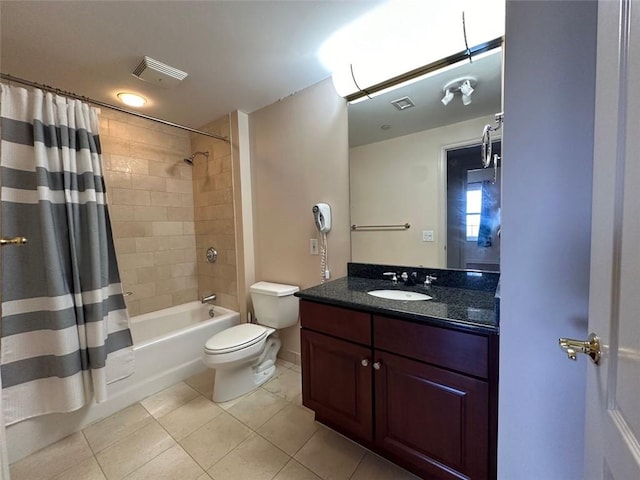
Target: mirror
[{"x": 402, "y": 211}]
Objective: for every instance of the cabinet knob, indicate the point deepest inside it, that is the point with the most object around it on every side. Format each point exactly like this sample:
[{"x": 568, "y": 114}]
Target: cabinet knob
[
  {"x": 364, "y": 362},
  {"x": 377, "y": 365}
]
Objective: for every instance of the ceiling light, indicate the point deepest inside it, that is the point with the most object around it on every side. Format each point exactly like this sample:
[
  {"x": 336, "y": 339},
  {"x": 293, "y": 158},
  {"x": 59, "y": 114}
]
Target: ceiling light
[
  {"x": 464, "y": 85},
  {"x": 466, "y": 88},
  {"x": 447, "y": 97},
  {"x": 132, "y": 99}
]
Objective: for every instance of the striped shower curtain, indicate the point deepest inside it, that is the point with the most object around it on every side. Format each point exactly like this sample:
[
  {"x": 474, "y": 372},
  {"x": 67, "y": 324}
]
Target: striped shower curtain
[{"x": 65, "y": 332}]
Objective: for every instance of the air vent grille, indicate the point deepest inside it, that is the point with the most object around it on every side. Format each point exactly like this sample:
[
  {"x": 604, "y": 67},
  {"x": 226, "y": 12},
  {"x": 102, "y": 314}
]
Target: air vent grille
[{"x": 158, "y": 73}]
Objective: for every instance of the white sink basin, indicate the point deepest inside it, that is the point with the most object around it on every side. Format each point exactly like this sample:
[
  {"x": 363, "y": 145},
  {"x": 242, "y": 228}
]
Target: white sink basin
[{"x": 399, "y": 295}]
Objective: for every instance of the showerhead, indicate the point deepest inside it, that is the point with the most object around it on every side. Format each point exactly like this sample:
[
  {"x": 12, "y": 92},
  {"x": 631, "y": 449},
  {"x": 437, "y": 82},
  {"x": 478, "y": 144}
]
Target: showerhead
[{"x": 189, "y": 161}]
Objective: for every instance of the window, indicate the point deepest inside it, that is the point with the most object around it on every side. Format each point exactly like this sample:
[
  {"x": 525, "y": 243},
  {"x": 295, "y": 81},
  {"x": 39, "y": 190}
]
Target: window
[{"x": 474, "y": 205}]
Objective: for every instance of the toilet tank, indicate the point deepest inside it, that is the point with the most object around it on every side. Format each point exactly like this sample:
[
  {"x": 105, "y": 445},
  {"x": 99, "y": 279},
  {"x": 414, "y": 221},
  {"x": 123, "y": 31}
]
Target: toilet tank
[{"x": 274, "y": 304}]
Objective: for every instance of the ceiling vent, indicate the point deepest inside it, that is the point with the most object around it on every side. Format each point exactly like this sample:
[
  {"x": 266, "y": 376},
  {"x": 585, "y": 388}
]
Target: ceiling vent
[
  {"x": 158, "y": 73},
  {"x": 403, "y": 103}
]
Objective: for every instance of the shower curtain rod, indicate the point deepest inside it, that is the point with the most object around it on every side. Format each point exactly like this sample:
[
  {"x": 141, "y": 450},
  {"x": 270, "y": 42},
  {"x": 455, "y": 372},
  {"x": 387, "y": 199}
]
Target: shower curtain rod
[{"x": 11, "y": 78}]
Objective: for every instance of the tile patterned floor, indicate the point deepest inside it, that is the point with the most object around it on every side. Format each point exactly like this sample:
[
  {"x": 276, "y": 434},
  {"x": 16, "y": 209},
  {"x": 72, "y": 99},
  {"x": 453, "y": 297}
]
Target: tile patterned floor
[{"x": 180, "y": 434}]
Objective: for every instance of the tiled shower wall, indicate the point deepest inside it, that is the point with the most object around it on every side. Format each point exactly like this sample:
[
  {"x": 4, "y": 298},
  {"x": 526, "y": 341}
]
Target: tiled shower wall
[
  {"x": 151, "y": 206},
  {"x": 214, "y": 215}
]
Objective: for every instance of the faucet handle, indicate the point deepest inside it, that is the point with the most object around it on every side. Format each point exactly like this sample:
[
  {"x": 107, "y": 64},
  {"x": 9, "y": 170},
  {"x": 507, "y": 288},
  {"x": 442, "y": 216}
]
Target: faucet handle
[
  {"x": 394, "y": 279},
  {"x": 404, "y": 276},
  {"x": 429, "y": 280}
]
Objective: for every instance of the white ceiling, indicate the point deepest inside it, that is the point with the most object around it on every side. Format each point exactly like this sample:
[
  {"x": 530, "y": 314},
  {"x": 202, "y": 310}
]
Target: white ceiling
[{"x": 240, "y": 55}]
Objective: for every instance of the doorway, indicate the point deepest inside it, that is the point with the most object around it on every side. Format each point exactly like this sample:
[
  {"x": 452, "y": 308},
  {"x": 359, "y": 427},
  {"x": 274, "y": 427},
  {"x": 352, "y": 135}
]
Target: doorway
[{"x": 473, "y": 210}]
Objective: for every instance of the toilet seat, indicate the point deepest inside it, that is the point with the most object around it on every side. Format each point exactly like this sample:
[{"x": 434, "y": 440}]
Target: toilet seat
[{"x": 236, "y": 338}]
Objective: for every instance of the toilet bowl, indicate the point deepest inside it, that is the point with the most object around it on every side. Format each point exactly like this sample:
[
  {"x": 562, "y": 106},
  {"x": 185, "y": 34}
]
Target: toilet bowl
[{"x": 244, "y": 356}]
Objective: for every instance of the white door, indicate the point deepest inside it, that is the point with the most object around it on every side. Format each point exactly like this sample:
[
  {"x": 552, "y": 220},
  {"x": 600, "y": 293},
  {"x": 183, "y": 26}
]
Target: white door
[{"x": 613, "y": 386}]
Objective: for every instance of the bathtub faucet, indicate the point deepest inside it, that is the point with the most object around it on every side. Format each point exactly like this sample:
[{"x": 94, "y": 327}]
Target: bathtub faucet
[{"x": 209, "y": 298}]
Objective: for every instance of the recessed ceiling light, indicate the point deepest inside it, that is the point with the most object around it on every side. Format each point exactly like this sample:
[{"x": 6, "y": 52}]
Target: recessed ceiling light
[{"x": 132, "y": 99}]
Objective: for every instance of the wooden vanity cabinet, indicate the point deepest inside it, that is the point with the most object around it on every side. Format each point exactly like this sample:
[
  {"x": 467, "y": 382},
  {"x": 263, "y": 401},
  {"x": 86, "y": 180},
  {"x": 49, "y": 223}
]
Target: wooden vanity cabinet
[{"x": 417, "y": 394}]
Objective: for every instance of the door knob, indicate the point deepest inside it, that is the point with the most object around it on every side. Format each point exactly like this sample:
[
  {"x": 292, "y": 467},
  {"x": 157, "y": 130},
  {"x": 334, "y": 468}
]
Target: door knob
[
  {"x": 364, "y": 362},
  {"x": 377, "y": 365},
  {"x": 591, "y": 347}
]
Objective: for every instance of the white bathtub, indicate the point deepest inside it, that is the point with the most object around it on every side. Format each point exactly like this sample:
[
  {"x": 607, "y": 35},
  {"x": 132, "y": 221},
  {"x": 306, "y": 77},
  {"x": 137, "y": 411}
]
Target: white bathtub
[{"x": 168, "y": 346}]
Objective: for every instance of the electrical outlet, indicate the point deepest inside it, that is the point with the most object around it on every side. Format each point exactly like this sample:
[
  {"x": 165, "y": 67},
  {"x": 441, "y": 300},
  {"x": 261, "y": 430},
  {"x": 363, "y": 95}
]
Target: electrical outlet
[
  {"x": 313, "y": 246},
  {"x": 428, "y": 236}
]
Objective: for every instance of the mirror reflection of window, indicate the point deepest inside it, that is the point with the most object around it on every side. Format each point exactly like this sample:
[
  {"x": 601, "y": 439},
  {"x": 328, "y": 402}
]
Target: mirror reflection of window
[{"x": 474, "y": 207}]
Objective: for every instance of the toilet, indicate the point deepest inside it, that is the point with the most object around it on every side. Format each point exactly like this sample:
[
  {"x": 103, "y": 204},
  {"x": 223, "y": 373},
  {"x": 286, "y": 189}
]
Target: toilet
[{"x": 244, "y": 356}]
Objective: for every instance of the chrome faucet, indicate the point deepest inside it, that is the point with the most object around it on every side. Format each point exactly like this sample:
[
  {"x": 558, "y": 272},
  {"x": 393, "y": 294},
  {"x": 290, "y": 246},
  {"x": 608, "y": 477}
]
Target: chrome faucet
[
  {"x": 429, "y": 280},
  {"x": 393, "y": 276},
  {"x": 208, "y": 298}
]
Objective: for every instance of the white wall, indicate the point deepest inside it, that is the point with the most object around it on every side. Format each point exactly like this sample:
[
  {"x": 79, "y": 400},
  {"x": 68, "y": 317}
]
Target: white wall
[
  {"x": 299, "y": 157},
  {"x": 401, "y": 181},
  {"x": 547, "y": 173}
]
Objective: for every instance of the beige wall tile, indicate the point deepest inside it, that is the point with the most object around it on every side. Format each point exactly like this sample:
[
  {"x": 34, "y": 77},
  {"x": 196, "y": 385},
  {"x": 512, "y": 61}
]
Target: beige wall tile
[
  {"x": 151, "y": 213},
  {"x": 131, "y": 229},
  {"x": 115, "y": 179},
  {"x": 135, "y": 260},
  {"x": 122, "y": 163},
  {"x": 146, "y": 244},
  {"x": 166, "y": 199},
  {"x": 185, "y": 296},
  {"x": 171, "y": 286},
  {"x": 120, "y": 212},
  {"x": 127, "y": 196},
  {"x": 125, "y": 245},
  {"x": 144, "y": 290},
  {"x": 156, "y": 303},
  {"x": 180, "y": 213},
  {"x": 168, "y": 257},
  {"x": 128, "y": 276},
  {"x": 181, "y": 186},
  {"x": 148, "y": 182},
  {"x": 140, "y": 157},
  {"x": 183, "y": 270},
  {"x": 167, "y": 228}
]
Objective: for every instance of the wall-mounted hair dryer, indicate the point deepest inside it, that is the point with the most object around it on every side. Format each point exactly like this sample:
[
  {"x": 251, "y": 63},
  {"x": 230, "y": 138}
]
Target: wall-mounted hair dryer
[{"x": 322, "y": 217}]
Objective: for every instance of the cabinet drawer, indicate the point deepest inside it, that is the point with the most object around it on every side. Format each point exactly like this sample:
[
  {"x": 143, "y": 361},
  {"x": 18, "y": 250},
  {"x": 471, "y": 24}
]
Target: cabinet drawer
[
  {"x": 460, "y": 351},
  {"x": 336, "y": 321}
]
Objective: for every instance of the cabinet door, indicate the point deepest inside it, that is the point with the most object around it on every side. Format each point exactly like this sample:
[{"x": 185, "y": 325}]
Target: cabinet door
[
  {"x": 336, "y": 383},
  {"x": 434, "y": 419}
]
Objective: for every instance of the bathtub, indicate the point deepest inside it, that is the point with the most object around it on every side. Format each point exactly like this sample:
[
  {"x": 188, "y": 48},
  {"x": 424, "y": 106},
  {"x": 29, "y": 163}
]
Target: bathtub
[{"x": 168, "y": 346}]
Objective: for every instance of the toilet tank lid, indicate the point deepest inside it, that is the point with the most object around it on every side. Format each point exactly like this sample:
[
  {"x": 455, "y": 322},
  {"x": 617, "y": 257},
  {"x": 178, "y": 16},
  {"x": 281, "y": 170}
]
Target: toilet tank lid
[{"x": 275, "y": 289}]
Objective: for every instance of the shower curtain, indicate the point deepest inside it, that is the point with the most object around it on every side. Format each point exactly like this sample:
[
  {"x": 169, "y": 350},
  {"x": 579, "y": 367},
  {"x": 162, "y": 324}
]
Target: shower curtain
[{"x": 65, "y": 332}]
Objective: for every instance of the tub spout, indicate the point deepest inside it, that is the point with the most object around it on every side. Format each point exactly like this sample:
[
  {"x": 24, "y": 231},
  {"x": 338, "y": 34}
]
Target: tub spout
[{"x": 209, "y": 298}]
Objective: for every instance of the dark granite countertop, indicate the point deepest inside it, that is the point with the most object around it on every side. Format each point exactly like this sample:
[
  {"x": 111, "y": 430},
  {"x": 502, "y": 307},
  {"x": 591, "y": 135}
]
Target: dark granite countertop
[{"x": 460, "y": 308}]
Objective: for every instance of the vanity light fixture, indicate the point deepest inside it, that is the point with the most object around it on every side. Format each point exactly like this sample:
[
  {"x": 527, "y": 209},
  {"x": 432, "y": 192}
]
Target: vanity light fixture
[
  {"x": 131, "y": 99},
  {"x": 464, "y": 85}
]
